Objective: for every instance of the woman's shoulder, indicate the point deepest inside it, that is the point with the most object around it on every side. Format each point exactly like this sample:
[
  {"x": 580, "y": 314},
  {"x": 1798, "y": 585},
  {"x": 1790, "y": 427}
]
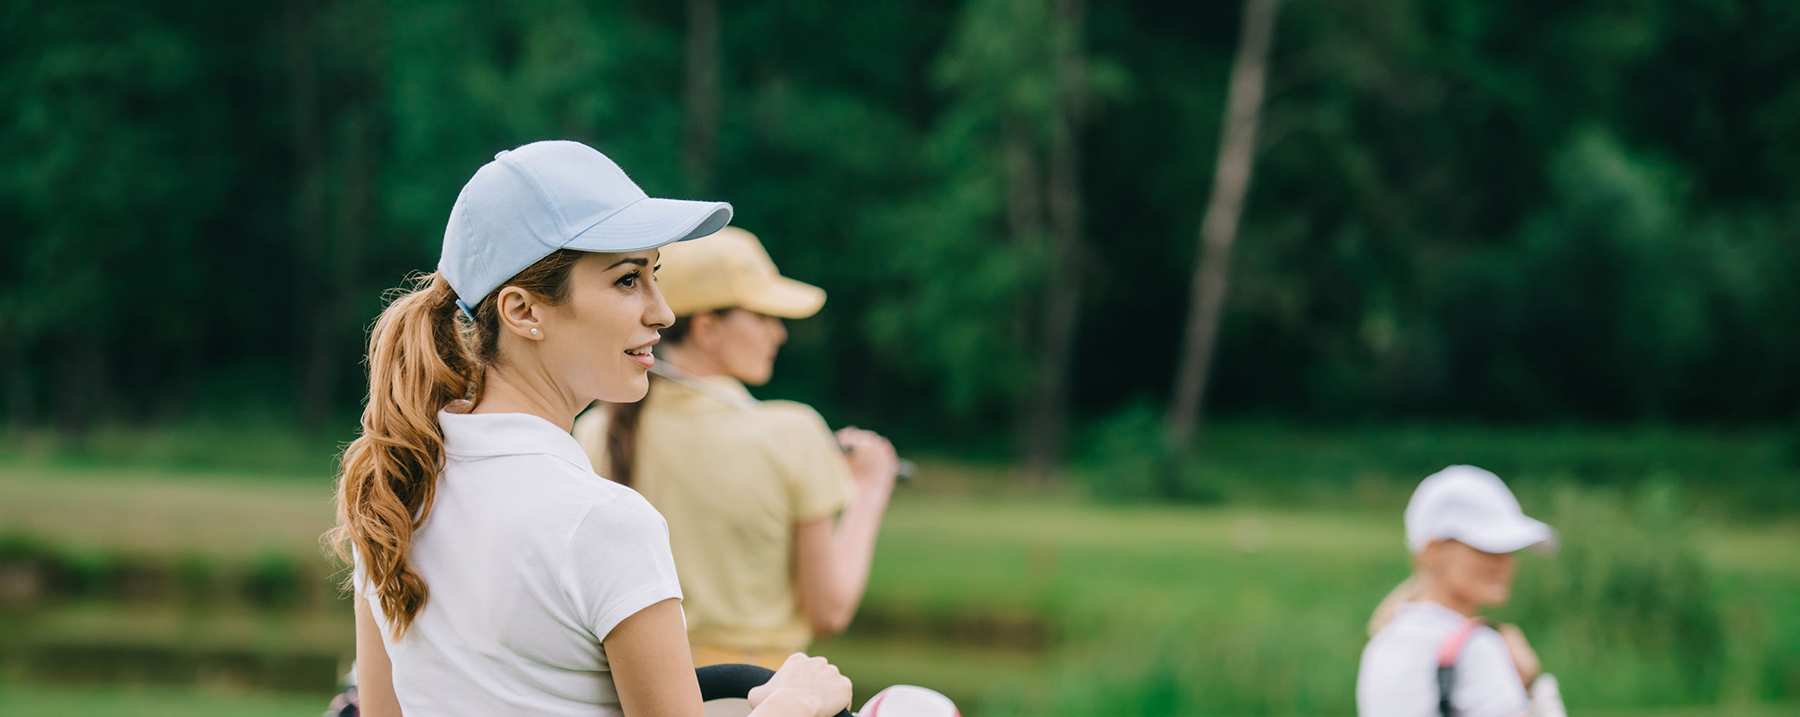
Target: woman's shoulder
[
  {"x": 783, "y": 410},
  {"x": 1415, "y": 627},
  {"x": 790, "y": 418},
  {"x": 614, "y": 507},
  {"x": 573, "y": 504}
]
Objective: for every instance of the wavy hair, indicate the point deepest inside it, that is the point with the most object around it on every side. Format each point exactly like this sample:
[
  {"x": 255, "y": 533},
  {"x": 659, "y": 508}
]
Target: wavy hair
[{"x": 422, "y": 358}]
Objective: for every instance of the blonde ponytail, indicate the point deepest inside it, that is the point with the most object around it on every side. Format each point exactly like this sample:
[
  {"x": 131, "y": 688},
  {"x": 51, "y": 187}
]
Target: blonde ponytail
[{"x": 1409, "y": 590}]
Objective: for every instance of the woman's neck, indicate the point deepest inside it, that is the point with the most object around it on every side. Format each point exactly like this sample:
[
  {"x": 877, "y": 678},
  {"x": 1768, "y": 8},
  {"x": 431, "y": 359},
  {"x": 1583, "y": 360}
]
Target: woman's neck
[
  {"x": 509, "y": 392},
  {"x": 696, "y": 363},
  {"x": 1435, "y": 592}
]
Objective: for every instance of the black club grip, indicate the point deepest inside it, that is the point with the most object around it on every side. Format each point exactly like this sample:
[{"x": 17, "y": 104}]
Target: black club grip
[{"x": 729, "y": 681}]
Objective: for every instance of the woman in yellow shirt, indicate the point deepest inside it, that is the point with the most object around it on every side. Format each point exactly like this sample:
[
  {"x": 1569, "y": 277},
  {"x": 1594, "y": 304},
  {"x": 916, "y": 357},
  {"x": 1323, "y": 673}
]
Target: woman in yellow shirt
[{"x": 772, "y": 517}]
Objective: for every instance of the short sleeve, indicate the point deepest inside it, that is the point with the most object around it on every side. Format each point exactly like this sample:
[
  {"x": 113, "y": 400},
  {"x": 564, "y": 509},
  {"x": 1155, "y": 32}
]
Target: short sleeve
[
  {"x": 619, "y": 563},
  {"x": 1487, "y": 683},
  {"x": 359, "y": 575},
  {"x": 356, "y": 570},
  {"x": 809, "y": 459}
]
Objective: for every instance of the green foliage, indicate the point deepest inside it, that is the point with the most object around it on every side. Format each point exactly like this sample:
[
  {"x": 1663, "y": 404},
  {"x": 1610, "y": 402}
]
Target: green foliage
[
  {"x": 86, "y": 572},
  {"x": 1196, "y": 665},
  {"x": 1628, "y": 580},
  {"x": 276, "y": 579},
  {"x": 1739, "y": 473},
  {"x": 1046, "y": 606},
  {"x": 1794, "y": 443},
  {"x": 1127, "y": 460},
  {"x": 80, "y": 701},
  {"x": 1462, "y": 209}
]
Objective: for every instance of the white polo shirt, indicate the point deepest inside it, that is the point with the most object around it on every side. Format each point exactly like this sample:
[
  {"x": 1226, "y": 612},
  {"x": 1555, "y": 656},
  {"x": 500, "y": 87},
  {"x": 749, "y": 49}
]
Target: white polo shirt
[
  {"x": 1398, "y": 677},
  {"x": 530, "y": 560}
]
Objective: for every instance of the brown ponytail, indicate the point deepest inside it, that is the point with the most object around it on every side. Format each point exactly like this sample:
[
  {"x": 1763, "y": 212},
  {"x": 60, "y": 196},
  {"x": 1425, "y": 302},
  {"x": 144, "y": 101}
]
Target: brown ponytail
[
  {"x": 622, "y": 419},
  {"x": 421, "y": 358},
  {"x": 621, "y": 437}
]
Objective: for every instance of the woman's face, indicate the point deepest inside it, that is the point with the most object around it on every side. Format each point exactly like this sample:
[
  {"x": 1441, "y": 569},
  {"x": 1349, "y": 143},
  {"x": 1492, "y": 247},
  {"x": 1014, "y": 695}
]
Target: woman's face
[
  {"x": 744, "y": 344},
  {"x": 597, "y": 344},
  {"x": 1471, "y": 576}
]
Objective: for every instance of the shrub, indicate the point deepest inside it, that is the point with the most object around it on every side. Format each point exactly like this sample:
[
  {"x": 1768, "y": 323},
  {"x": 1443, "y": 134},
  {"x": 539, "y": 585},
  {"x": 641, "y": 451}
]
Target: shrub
[
  {"x": 275, "y": 579},
  {"x": 1127, "y": 461},
  {"x": 1626, "y": 612}
]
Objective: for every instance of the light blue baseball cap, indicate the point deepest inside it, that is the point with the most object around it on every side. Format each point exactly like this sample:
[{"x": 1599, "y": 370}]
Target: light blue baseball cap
[{"x": 545, "y": 196}]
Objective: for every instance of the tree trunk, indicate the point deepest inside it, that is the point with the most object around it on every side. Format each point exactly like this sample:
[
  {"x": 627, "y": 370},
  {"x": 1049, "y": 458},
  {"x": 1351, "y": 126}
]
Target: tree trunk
[
  {"x": 83, "y": 372},
  {"x": 1049, "y": 419},
  {"x": 328, "y": 354},
  {"x": 355, "y": 128},
  {"x": 1231, "y": 182},
  {"x": 15, "y": 379},
  {"x": 1024, "y": 229},
  {"x": 309, "y": 204},
  {"x": 702, "y": 94}
]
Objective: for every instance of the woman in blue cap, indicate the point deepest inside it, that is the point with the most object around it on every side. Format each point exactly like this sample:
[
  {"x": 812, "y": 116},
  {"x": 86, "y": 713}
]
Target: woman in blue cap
[{"x": 495, "y": 572}]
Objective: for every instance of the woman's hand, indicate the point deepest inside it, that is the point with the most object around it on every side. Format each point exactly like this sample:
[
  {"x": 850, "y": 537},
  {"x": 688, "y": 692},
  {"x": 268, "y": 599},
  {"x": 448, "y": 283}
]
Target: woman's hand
[
  {"x": 1525, "y": 659},
  {"x": 873, "y": 462},
  {"x": 804, "y": 687}
]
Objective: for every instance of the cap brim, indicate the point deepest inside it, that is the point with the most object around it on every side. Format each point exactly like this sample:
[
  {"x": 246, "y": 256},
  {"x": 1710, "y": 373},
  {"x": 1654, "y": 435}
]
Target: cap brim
[
  {"x": 652, "y": 222},
  {"x": 1512, "y": 537},
  {"x": 785, "y": 298}
]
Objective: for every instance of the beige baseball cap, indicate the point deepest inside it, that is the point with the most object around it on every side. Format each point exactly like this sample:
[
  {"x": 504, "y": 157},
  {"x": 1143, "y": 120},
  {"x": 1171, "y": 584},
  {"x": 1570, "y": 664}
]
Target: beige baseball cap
[{"x": 730, "y": 269}]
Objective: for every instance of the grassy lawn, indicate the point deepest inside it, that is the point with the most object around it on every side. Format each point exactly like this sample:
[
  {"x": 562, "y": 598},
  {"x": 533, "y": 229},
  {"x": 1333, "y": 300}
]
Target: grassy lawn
[
  {"x": 64, "y": 701},
  {"x": 1011, "y": 603},
  {"x": 68, "y": 701},
  {"x": 164, "y": 512}
]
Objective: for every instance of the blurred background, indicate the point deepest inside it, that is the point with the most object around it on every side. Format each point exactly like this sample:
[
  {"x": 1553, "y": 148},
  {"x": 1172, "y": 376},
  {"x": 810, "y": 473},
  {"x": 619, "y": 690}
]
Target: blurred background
[{"x": 1160, "y": 474}]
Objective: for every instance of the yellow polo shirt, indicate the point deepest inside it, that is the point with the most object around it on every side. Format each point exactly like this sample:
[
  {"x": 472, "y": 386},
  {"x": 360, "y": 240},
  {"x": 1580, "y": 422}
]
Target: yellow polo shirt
[{"x": 733, "y": 478}]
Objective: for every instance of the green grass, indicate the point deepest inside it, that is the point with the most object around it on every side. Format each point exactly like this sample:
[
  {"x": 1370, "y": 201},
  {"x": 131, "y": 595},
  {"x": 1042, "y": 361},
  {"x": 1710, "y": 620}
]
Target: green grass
[
  {"x": 1022, "y": 602},
  {"x": 73, "y": 701},
  {"x": 1728, "y": 474},
  {"x": 163, "y": 511}
]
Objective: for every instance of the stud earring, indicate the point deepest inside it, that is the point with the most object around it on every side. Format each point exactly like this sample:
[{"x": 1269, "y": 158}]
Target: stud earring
[{"x": 534, "y": 331}]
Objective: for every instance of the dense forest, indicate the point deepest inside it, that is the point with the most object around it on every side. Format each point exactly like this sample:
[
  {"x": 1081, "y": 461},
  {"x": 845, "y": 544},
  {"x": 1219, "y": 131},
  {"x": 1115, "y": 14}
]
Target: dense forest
[{"x": 1530, "y": 210}]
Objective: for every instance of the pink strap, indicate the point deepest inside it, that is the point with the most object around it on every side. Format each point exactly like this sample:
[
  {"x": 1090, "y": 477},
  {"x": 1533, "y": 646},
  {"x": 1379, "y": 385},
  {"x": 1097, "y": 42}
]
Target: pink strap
[{"x": 1452, "y": 646}]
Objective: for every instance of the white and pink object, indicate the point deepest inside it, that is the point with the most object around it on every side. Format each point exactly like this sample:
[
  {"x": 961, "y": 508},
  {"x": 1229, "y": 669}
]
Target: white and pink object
[{"x": 908, "y": 701}]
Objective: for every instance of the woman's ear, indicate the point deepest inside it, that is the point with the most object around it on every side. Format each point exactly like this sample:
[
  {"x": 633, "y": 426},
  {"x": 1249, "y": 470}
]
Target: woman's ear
[
  {"x": 703, "y": 329},
  {"x": 1426, "y": 562},
  {"x": 519, "y": 313}
]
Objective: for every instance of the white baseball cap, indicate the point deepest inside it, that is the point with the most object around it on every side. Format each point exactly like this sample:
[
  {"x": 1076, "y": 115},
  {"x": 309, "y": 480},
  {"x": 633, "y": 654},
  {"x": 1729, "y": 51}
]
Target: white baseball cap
[
  {"x": 1474, "y": 507},
  {"x": 545, "y": 196}
]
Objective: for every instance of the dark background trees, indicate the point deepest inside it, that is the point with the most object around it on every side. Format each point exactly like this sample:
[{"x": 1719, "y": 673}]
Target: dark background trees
[{"x": 1509, "y": 211}]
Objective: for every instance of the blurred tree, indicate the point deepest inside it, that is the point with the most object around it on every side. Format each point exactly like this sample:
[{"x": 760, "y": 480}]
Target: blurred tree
[
  {"x": 1231, "y": 182},
  {"x": 983, "y": 217},
  {"x": 1008, "y": 154},
  {"x": 336, "y": 58},
  {"x": 1523, "y": 210},
  {"x": 702, "y": 93},
  {"x": 1047, "y": 418},
  {"x": 309, "y": 266},
  {"x": 104, "y": 120}
]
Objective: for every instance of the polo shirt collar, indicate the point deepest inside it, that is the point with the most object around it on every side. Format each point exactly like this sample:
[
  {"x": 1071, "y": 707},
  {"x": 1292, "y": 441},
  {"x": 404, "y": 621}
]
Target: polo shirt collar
[
  {"x": 485, "y": 435},
  {"x": 720, "y": 388},
  {"x": 727, "y": 383}
]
